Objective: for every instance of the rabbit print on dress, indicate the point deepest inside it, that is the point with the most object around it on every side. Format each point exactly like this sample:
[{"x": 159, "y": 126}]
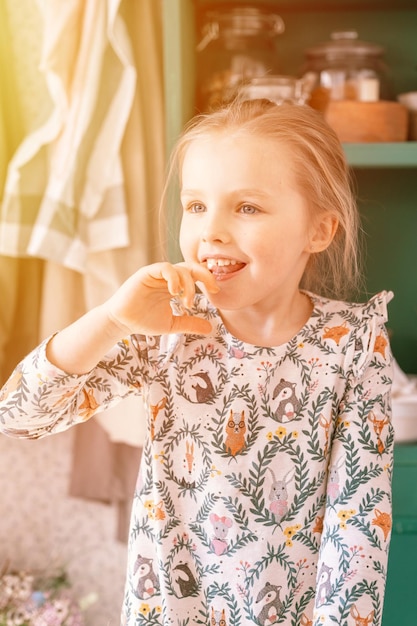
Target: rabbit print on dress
[{"x": 278, "y": 494}]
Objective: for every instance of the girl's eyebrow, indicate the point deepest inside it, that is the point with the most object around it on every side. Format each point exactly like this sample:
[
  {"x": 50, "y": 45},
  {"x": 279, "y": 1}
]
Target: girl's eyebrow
[
  {"x": 243, "y": 191},
  {"x": 190, "y": 192}
]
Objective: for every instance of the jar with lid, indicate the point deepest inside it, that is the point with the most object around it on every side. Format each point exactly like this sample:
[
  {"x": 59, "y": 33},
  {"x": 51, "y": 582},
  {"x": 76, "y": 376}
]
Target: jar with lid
[
  {"x": 347, "y": 68},
  {"x": 278, "y": 89},
  {"x": 236, "y": 44}
]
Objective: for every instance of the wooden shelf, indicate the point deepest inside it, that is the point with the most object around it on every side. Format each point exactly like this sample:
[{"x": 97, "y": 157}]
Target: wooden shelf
[
  {"x": 320, "y": 5},
  {"x": 390, "y": 155}
]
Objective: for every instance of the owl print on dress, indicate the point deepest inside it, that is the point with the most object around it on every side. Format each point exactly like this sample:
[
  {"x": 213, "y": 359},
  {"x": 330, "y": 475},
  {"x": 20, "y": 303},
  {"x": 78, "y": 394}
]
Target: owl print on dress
[{"x": 288, "y": 403}]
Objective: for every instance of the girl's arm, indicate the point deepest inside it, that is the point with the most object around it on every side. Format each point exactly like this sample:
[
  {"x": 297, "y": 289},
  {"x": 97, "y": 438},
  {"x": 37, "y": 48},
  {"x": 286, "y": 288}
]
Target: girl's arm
[
  {"x": 140, "y": 306},
  {"x": 92, "y": 363},
  {"x": 355, "y": 541}
]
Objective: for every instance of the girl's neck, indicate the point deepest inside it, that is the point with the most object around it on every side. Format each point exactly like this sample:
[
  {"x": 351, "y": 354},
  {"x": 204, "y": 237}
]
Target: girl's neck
[{"x": 269, "y": 329}]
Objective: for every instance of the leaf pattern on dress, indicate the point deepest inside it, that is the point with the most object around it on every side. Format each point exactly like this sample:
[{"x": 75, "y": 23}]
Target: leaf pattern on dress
[{"x": 264, "y": 493}]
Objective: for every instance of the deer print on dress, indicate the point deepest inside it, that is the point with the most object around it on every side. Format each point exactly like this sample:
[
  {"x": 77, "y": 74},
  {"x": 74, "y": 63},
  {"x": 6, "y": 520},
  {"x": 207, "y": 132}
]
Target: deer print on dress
[
  {"x": 155, "y": 409},
  {"x": 288, "y": 403},
  {"x": 221, "y": 527},
  {"x": 325, "y": 424},
  {"x": 189, "y": 464},
  {"x": 185, "y": 580},
  {"x": 361, "y": 621},
  {"x": 235, "y": 432},
  {"x": 148, "y": 583},
  {"x": 278, "y": 494},
  {"x": 378, "y": 425},
  {"x": 271, "y": 604},
  {"x": 204, "y": 392},
  {"x": 89, "y": 404},
  {"x": 324, "y": 586}
]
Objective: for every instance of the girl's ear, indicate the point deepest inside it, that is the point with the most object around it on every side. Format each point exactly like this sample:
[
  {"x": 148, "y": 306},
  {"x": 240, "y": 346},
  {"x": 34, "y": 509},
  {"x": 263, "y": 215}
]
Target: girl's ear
[{"x": 322, "y": 232}]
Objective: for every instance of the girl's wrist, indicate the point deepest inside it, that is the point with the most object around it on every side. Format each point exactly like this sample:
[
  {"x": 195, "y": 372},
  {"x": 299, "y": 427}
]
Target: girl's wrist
[{"x": 114, "y": 328}]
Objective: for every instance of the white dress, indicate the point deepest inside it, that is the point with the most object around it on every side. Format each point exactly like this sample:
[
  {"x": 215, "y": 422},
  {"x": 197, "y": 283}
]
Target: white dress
[{"x": 264, "y": 494}]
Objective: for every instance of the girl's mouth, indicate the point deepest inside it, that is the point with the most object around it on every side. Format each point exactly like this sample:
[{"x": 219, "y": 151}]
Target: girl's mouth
[{"x": 223, "y": 267}]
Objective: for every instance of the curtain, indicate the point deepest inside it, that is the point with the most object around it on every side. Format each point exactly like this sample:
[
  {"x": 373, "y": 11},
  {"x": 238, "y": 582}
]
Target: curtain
[{"x": 85, "y": 174}]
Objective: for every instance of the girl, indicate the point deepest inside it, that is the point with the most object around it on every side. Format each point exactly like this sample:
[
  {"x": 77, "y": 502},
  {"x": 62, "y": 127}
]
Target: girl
[{"x": 264, "y": 493}]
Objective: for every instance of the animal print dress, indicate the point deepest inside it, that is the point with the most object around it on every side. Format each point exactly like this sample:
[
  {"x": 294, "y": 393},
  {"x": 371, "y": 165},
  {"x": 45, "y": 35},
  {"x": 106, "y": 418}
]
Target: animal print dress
[{"x": 264, "y": 490}]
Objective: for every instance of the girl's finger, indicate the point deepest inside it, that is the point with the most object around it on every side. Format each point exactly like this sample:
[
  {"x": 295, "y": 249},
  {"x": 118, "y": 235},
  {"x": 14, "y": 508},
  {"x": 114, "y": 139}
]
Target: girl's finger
[
  {"x": 191, "y": 324},
  {"x": 201, "y": 274}
]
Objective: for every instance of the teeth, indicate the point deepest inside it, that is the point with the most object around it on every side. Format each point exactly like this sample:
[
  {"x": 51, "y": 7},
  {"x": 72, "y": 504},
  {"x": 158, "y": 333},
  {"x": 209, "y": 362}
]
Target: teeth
[{"x": 212, "y": 263}]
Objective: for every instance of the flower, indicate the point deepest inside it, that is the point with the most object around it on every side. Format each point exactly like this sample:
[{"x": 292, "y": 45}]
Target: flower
[
  {"x": 281, "y": 432},
  {"x": 344, "y": 516},
  {"x": 27, "y": 599}
]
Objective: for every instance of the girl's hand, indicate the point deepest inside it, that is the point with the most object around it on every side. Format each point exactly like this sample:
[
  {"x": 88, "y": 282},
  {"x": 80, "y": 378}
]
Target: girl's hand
[{"x": 142, "y": 304}]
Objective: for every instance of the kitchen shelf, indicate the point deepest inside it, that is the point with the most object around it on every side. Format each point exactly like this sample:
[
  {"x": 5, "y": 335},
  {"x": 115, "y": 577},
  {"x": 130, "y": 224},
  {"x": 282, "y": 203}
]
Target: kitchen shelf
[
  {"x": 322, "y": 5},
  {"x": 389, "y": 155}
]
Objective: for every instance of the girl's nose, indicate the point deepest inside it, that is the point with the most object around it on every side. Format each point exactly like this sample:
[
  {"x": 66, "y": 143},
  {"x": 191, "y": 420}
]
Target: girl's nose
[{"x": 215, "y": 229}]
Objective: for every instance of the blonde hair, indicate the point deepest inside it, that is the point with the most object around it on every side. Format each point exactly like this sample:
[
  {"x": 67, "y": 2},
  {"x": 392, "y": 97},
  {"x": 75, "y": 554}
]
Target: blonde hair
[{"x": 321, "y": 171}]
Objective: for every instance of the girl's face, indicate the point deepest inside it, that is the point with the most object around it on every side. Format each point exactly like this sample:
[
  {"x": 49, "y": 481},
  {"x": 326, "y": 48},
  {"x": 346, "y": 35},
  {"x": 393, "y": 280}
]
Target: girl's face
[{"x": 245, "y": 219}]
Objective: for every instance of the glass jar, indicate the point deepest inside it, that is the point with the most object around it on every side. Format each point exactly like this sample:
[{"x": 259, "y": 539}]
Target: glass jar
[
  {"x": 236, "y": 45},
  {"x": 347, "y": 68},
  {"x": 278, "y": 89}
]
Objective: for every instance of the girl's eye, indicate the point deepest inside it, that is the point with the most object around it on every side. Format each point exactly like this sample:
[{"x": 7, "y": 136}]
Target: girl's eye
[
  {"x": 248, "y": 209},
  {"x": 196, "y": 208}
]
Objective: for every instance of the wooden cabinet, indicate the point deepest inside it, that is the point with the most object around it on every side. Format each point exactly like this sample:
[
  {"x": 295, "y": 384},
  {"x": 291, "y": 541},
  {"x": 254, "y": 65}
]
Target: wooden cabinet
[
  {"x": 386, "y": 174},
  {"x": 386, "y": 179}
]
